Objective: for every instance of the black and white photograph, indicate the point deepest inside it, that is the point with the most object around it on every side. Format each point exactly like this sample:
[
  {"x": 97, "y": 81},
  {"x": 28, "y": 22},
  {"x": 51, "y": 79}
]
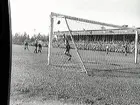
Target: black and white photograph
[{"x": 75, "y": 52}]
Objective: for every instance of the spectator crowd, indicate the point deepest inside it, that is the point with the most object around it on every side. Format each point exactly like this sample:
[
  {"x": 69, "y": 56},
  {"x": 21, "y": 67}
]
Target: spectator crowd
[{"x": 113, "y": 46}]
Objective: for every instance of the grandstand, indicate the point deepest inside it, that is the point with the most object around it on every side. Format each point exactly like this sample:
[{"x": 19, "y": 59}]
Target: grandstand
[
  {"x": 101, "y": 35},
  {"x": 114, "y": 37}
]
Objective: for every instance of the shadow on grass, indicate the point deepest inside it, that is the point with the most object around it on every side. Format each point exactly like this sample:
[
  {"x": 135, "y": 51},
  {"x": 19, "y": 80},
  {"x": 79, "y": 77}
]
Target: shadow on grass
[{"x": 120, "y": 72}]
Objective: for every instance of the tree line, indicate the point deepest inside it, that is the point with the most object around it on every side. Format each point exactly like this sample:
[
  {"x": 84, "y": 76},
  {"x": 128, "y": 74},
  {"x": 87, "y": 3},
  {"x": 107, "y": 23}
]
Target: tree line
[{"x": 19, "y": 39}]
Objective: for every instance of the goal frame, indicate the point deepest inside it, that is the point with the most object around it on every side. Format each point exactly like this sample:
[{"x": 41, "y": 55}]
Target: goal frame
[{"x": 52, "y": 15}]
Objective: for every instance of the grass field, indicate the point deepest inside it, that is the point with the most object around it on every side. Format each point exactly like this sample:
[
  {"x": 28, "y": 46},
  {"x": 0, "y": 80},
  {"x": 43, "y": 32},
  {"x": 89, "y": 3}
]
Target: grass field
[
  {"x": 97, "y": 62},
  {"x": 32, "y": 80}
]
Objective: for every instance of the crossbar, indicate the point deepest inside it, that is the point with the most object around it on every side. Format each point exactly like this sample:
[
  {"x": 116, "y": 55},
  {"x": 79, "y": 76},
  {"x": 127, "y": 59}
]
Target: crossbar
[{"x": 88, "y": 21}]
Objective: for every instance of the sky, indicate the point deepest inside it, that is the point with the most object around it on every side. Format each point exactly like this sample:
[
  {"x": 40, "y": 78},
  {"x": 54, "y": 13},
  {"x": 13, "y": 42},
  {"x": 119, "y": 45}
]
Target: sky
[{"x": 32, "y": 16}]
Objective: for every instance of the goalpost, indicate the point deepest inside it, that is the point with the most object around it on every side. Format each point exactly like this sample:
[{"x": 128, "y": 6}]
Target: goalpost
[{"x": 70, "y": 33}]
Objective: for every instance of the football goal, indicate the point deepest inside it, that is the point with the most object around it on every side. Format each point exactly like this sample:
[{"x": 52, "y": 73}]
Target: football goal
[{"x": 80, "y": 44}]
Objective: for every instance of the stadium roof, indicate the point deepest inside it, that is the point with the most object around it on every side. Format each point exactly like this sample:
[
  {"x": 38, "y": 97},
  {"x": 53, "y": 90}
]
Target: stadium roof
[{"x": 99, "y": 32}]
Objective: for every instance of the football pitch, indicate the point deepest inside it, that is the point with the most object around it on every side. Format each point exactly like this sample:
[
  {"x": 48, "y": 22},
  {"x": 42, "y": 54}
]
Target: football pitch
[
  {"x": 97, "y": 62},
  {"x": 112, "y": 78}
]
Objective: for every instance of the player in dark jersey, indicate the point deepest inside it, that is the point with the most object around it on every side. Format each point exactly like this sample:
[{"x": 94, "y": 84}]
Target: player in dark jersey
[
  {"x": 67, "y": 51},
  {"x": 39, "y": 48},
  {"x": 125, "y": 49},
  {"x": 36, "y": 45}
]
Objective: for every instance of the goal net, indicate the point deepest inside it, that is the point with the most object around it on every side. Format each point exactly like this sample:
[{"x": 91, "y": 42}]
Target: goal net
[{"x": 80, "y": 45}]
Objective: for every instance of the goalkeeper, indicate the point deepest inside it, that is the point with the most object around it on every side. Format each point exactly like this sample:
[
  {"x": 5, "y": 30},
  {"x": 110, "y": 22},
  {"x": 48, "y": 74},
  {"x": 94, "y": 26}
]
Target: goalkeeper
[{"x": 67, "y": 51}]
